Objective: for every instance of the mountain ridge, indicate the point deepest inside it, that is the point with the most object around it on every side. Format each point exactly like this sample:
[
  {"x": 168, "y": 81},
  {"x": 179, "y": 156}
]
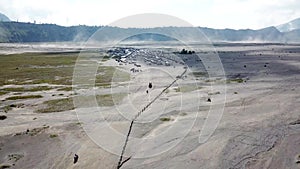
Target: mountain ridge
[
  {"x": 4, "y": 18},
  {"x": 19, "y": 32},
  {"x": 290, "y": 26}
]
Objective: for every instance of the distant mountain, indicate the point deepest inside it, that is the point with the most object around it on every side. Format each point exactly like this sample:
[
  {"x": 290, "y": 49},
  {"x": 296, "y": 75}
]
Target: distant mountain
[
  {"x": 149, "y": 37},
  {"x": 28, "y": 32},
  {"x": 270, "y": 34},
  {"x": 4, "y": 18},
  {"x": 15, "y": 32},
  {"x": 290, "y": 26},
  {"x": 293, "y": 36}
]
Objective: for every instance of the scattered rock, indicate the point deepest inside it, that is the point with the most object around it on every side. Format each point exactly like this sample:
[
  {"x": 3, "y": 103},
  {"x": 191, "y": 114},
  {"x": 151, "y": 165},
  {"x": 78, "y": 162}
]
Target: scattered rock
[
  {"x": 76, "y": 157},
  {"x": 295, "y": 122},
  {"x": 3, "y": 117},
  {"x": 3, "y": 166}
]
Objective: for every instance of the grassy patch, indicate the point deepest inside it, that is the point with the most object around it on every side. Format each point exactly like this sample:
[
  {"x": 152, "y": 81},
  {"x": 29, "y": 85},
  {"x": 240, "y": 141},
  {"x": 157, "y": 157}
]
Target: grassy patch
[
  {"x": 23, "y": 89},
  {"x": 24, "y": 97},
  {"x": 108, "y": 74},
  {"x": 52, "y": 68},
  {"x": 105, "y": 58},
  {"x": 199, "y": 74},
  {"x": 78, "y": 123},
  {"x": 210, "y": 81},
  {"x": 35, "y": 68},
  {"x": 214, "y": 93},
  {"x": 36, "y": 131},
  {"x": 53, "y": 135},
  {"x": 3, "y": 93},
  {"x": 187, "y": 88},
  {"x": 165, "y": 119},
  {"x": 238, "y": 80},
  {"x": 6, "y": 108},
  {"x": 65, "y": 89},
  {"x": 110, "y": 99},
  {"x": 57, "y": 105},
  {"x": 106, "y": 100},
  {"x": 65, "y": 104}
]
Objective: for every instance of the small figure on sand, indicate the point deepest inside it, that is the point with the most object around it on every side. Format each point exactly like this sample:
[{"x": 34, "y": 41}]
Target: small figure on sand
[
  {"x": 76, "y": 158},
  {"x": 150, "y": 85}
]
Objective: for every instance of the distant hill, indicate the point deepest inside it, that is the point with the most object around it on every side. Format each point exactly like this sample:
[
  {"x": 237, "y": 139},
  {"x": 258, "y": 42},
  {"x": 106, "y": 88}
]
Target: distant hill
[
  {"x": 4, "y": 18},
  {"x": 293, "y": 36},
  {"x": 290, "y": 26},
  {"x": 270, "y": 34},
  {"x": 15, "y": 32},
  {"x": 29, "y": 32}
]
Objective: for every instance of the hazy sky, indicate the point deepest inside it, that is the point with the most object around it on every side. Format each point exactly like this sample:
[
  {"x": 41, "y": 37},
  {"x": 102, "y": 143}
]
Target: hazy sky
[{"x": 237, "y": 14}]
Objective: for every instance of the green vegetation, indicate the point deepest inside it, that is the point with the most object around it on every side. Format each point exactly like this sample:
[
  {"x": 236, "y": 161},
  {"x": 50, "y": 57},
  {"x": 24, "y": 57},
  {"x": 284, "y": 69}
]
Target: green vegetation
[
  {"x": 65, "y": 104},
  {"x": 108, "y": 74},
  {"x": 199, "y": 74},
  {"x": 65, "y": 89},
  {"x": 51, "y": 68},
  {"x": 53, "y": 135},
  {"x": 6, "y": 108},
  {"x": 29, "y": 32},
  {"x": 36, "y": 68},
  {"x": 110, "y": 99},
  {"x": 31, "y": 89},
  {"x": 35, "y": 131},
  {"x": 210, "y": 81},
  {"x": 57, "y": 105},
  {"x": 15, "y": 157},
  {"x": 187, "y": 88},
  {"x": 237, "y": 80},
  {"x": 235, "y": 92},
  {"x": 2, "y": 93},
  {"x": 165, "y": 119},
  {"x": 214, "y": 93},
  {"x": 105, "y": 58},
  {"x": 24, "y": 97},
  {"x": 102, "y": 100}
]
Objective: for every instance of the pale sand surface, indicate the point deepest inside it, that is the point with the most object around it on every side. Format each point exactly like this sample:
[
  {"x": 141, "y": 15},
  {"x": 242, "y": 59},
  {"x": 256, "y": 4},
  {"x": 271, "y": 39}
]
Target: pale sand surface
[{"x": 259, "y": 127}]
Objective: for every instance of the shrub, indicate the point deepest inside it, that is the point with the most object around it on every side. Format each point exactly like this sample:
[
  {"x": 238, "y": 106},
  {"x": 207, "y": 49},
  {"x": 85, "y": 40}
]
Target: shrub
[
  {"x": 53, "y": 135},
  {"x": 24, "y": 97},
  {"x": 165, "y": 119}
]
